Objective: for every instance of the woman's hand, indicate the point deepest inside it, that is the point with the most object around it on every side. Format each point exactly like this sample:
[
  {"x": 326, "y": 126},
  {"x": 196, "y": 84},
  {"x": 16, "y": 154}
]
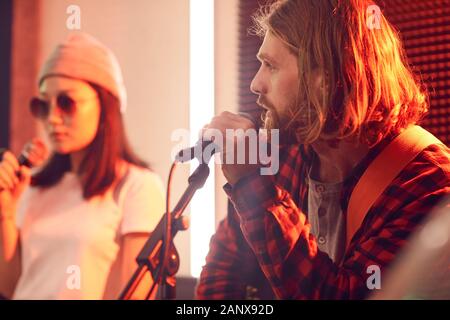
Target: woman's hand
[{"x": 13, "y": 181}]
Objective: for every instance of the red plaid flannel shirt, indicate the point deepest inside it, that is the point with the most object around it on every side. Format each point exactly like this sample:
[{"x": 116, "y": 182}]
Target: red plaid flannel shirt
[{"x": 272, "y": 218}]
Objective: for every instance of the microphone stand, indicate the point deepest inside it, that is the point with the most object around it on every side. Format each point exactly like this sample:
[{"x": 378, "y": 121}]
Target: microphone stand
[{"x": 149, "y": 257}]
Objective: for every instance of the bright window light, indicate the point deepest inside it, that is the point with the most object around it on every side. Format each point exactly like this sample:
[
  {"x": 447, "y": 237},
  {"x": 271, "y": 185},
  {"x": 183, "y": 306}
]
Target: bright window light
[{"x": 201, "y": 111}]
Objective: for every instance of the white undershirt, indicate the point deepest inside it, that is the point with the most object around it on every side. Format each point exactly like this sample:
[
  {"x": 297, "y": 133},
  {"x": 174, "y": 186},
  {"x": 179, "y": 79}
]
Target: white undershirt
[{"x": 326, "y": 218}]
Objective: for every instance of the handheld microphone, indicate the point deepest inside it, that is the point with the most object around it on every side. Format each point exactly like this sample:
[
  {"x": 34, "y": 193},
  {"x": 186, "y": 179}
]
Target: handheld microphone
[
  {"x": 33, "y": 154},
  {"x": 22, "y": 159},
  {"x": 197, "y": 150}
]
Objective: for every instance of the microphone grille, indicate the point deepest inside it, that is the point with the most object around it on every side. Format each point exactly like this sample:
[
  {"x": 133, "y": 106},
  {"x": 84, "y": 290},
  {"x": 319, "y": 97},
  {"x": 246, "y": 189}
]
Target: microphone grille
[{"x": 34, "y": 154}]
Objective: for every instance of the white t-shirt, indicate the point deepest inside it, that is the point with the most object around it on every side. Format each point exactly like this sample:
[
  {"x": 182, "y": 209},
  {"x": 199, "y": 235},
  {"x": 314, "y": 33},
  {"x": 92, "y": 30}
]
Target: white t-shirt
[{"x": 69, "y": 244}]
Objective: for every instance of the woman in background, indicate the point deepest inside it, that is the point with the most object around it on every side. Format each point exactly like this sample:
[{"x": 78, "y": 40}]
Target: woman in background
[{"x": 73, "y": 229}]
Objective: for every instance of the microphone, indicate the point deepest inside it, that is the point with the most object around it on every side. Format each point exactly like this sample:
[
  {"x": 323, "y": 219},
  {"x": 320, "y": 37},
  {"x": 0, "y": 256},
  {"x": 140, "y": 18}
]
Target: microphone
[
  {"x": 196, "y": 151},
  {"x": 22, "y": 159},
  {"x": 33, "y": 154}
]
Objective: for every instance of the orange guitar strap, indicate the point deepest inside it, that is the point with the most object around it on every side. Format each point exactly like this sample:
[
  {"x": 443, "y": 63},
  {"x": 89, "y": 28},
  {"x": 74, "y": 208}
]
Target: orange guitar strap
[{"x": 382, "y": 171}]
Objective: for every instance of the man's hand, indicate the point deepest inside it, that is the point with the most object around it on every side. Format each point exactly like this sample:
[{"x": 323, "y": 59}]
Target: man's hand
[{"x": 235, "y": 144}]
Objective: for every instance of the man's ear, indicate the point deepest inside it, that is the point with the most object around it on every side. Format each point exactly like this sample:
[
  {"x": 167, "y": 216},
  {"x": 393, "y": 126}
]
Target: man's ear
[
  {"x": 320, "y": 81},
  {"x": 319, "y": 84}
]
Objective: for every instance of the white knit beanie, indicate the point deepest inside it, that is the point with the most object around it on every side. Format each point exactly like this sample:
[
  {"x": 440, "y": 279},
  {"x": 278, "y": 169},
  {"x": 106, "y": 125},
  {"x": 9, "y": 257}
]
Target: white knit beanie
[{"x": 83, "y": 57}]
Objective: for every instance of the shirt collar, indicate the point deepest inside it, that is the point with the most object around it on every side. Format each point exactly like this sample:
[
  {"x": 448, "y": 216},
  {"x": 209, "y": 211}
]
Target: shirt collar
[{"x": 350, "y": 182}]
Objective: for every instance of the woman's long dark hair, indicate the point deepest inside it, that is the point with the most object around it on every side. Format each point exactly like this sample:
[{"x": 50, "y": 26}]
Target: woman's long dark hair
[{"x": 99, "y": 165}]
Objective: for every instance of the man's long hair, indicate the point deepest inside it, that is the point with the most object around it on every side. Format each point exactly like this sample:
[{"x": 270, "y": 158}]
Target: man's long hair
[{"x": 368, "y": 90}]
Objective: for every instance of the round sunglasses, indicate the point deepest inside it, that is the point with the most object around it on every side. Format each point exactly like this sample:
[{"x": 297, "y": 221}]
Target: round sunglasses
[{"x": 40, "y": 108}]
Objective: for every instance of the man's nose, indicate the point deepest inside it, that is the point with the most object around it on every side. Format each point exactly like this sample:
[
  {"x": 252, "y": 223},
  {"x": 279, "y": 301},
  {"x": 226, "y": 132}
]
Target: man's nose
[{"x": 257, "y": 85}]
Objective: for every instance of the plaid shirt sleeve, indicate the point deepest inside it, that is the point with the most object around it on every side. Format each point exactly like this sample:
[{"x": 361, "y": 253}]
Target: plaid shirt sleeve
[
  {"x": 222, "y": 275},
  {"x": 279, "y": 234}
]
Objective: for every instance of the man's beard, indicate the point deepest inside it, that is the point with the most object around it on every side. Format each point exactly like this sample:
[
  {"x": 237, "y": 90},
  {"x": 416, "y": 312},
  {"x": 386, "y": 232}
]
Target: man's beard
[{"x": 277, "y": 120}]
